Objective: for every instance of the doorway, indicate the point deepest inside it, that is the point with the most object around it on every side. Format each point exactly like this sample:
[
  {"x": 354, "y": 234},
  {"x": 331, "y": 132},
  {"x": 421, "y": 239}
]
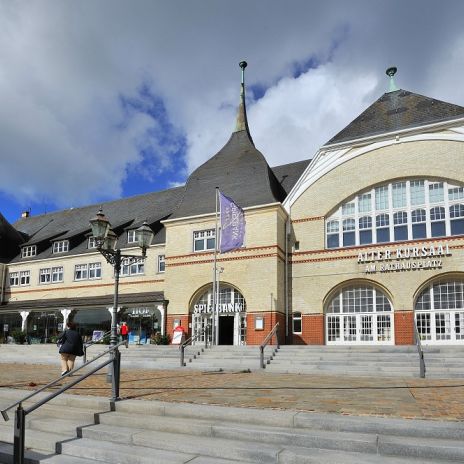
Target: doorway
[{"x": 226, "y": 330}]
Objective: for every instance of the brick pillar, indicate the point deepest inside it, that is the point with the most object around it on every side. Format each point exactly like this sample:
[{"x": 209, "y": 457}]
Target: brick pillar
[
  {"x": 312, "y": 330},
  {"x": 404, "y": 327}
]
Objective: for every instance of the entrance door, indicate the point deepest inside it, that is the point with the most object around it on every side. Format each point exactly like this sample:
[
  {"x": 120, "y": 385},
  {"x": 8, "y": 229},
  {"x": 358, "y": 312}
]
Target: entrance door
[{"x": 226, "y": 330}]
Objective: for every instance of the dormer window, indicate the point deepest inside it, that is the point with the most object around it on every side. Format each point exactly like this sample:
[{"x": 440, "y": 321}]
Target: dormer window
[
  {"x": 28, "y": 251},
  {"x": 92, "y": 243},
  {"x": 132, "y": 236},
  {"x": 61, "y": 246}
]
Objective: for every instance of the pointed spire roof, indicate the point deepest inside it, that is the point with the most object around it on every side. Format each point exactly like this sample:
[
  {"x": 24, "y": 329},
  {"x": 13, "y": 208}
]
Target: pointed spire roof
[
  {"x": 396, "y": 110},
  {"x": 238, "y": 169}
]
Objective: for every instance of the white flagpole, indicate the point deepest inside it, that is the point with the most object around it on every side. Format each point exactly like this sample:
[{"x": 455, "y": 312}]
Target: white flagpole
[{"x": 214, "y": 335}]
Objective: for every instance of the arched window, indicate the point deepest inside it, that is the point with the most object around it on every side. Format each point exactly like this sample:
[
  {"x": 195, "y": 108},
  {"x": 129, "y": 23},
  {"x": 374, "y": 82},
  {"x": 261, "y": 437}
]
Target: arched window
[
  {"x": 439, "y": 312},
  {"x": 359, "y": 314},
  {"x": 406, "y": 210}
]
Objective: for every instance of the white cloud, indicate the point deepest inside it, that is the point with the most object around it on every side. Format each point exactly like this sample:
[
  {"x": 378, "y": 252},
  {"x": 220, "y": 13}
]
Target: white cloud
[{"x": 64, "y": 135}]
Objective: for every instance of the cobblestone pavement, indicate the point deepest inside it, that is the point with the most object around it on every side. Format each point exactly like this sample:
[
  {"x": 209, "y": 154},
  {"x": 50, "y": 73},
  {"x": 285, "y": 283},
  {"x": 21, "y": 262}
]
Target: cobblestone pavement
[{"x": 399, "y": 397}]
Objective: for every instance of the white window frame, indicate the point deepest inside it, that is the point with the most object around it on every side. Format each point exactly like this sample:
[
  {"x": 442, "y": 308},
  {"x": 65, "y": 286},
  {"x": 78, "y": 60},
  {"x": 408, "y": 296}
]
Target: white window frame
[
  {"x": 132, "y": 268},
  {"x": 202, "y": 236},
  {"x": 60, "y": 246},
  {"x": 91, "y": 243},
  {"x": 57, "y": 274},
  {"x": 45, "y": 276},
  {"x": 161, "y": 263},
  {"x": 95, "y": 271},
  {"x": 350, "y": 210},
  {"x": 14, "y": 279},
  {"x": 26, "y": 275},
  {"x": 132, "y": 236},
  {"x": 83, "y": 269},
  {"x": 29, "y": 251}
]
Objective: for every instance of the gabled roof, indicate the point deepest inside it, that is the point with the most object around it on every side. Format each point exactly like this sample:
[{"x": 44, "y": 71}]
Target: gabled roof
[
  {"x": 10, "y": 239},
  {"x": 395, "y": 111}
]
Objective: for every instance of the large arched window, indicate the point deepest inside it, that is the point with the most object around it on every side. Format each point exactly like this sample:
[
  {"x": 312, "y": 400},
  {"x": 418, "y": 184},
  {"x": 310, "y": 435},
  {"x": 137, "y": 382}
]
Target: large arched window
[
  {"x": 439, "y": 312},
  {"x": 398, "y": 211},
  {"x": 358, "y": 315}
]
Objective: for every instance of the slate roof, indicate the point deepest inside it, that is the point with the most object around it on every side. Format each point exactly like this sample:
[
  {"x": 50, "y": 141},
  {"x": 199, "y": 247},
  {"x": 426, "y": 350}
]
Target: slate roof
[
  {"x": 395, "y": 111},
  {"x": 73, "y": 224},
  {"x": 239, "y": 170},
  {"x": 288, "y": 174},
  {"x": 10, "y": 239}
]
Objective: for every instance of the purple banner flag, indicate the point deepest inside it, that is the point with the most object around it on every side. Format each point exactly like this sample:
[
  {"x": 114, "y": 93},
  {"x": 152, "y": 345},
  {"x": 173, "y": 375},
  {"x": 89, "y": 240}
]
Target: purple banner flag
[{"x": 232, "y": 224}]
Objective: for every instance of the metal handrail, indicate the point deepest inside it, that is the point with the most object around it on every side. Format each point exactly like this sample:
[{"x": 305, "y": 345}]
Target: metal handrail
[
  {"x": 274, "y": 331},
  {"x": 21, "y": 413},
  {"x": 93, "y": 342},
  {"x": 204, "y": 331},
  {"x": 420, "y": 351}
]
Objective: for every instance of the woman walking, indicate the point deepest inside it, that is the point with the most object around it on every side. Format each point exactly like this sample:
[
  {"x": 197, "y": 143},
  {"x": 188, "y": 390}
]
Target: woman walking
[{"x": 71, "y": 346}]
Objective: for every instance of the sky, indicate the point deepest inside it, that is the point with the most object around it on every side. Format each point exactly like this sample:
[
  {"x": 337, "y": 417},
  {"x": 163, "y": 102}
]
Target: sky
[{"x": 104, "y": 99}]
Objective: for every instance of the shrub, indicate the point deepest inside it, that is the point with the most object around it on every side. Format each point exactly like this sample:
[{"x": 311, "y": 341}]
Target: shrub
[
  {"x": 159, "y": 339},
  {"x": 19, "y": 336}
]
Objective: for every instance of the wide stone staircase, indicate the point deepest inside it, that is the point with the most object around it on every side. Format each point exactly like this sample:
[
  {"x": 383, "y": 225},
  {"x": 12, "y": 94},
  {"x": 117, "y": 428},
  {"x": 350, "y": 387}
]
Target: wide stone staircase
[{"x": 84, "y": 430}]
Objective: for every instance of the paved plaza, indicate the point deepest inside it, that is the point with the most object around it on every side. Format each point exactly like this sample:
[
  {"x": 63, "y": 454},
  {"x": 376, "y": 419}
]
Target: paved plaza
[{"x": 406, "y": 398}]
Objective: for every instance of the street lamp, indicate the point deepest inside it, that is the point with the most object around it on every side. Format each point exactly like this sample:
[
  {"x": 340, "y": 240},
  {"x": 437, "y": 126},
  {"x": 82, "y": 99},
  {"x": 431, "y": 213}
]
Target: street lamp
[{"x": 106, "y": 239}]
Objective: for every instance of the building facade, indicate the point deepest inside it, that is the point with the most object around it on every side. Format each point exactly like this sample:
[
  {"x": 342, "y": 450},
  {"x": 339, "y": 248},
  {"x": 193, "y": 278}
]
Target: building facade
[{"x": 363, "y": 244}]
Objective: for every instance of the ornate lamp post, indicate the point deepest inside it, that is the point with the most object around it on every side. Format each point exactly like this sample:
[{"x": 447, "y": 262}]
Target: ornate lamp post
[{"x": 106, "y": 240}]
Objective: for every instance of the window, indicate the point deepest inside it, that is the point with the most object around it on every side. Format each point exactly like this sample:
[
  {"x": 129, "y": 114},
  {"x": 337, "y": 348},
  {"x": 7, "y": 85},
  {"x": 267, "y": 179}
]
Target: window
[
  {"x": 359, "y": 299},
  {"x": 204, "y": 240},
  {"x": 349, "y": 226},
  {"x": 132, "y": 236},
  {"x": 417, "y": 192},
  {"x": 348, "y": 209},
  {"x": 92, "y": 243},
  {"x": 436, "y": 192},
  {"x": 364, "y": 203},
  {"x": 381, "y": 198},
  {"x": 365, "y": 230},
  {"x": 57, "y": 274},
  {"x": 296, "y": 322},
  {"x": 419, "y": 228},
  {"x": 95, "y": 271},
  {"x": 81, "y": 272},
  {"x": 29, "y": 251},
  {"x": 457, "y": 219},
  {"x": 382, "y": 223},
  {"x": 14, "y": 279},
  {"x": 332, "y": 234},
  {"x": 399, "y": 194},
  {"x": 45, "y": 276},
  {"x": 25, "y": 278},
  {"x": 161, "y": 263},
  {"x": 400, "y": 220},
  {"x": 456, "y": 193},
  {"x": 437, "y": 219},
  {"x": 61, "y": 246},
  {"x": 129, "y": 267}
]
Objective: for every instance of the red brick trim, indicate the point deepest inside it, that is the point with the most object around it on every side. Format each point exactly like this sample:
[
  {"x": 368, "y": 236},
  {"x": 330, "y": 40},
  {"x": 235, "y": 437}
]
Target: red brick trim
[
  {"x": 404, "y": 327},
  {"x": 235, "y": 258},
  {"x": 312, "y": 330},
  {"x": 308, "y": 219}
]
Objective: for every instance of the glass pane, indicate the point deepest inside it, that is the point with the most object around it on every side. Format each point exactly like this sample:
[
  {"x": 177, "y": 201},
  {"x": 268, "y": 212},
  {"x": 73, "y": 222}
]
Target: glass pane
[
  {"x": 381, "y": 198},
  {"x": 438, "y": 229},
  {"x": 401, "y": 233},
  {"x": 399, "y": 194},
  {"x": 417, "y": 192},
  {"x": 457, "y": 227},
  {"x": 349, "y": 239},
  {"x": 332, "y": 241},
  {"x": 382, "y": 220},
  {"x": 332, "y": 226},
  {"x": 436, "y": 192},
  {"x": 364, "y": 203},
  {"x": 419, "y": 231},
  {"x": 365, "y": 237},
  {"x": 383, "y": 235},
  {"x": 348, "y": 209}
]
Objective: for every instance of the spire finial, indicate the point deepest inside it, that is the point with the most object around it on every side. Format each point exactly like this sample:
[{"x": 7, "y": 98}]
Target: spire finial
[
  {"x": 242, "y": 122},
  {"x": 391, "y": 71}
]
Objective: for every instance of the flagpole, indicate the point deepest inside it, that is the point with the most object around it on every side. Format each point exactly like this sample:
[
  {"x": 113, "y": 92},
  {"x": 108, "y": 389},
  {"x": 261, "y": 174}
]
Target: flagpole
[{"x": 214, "y": 334}]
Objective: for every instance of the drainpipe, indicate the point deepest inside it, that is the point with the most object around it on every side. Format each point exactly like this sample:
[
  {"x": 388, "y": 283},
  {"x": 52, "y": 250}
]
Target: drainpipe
[
  {"x": 2, "y": 282},
  {"x": 287, "y": 235}
]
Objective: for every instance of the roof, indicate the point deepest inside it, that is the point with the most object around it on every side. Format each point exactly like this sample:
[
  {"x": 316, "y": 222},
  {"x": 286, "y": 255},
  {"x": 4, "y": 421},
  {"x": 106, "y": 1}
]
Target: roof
[
  {"x": 239, "y": 170},
  {"x": 288, "y": 174},
  {"x": 395, "y": 111},
  {"x": 10, "y": 238},
  {"x": 74, "y": 223}
]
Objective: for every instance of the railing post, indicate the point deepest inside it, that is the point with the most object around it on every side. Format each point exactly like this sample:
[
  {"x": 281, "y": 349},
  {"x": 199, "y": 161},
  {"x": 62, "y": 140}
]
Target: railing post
[
  {"x": 261, "y": 357},
  {"x": 85, "y": 353},
  {"x": 18, "y": 444},
  {"x": 182, "y": 349},
  {"x": 116, "y": 374}
]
